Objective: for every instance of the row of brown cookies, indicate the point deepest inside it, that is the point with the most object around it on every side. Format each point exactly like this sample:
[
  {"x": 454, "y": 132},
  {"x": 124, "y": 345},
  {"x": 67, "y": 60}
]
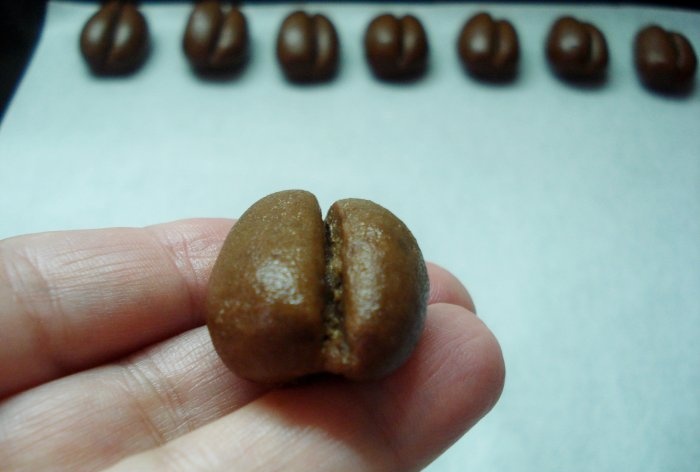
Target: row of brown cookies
[{"x": 216, "y": 41}]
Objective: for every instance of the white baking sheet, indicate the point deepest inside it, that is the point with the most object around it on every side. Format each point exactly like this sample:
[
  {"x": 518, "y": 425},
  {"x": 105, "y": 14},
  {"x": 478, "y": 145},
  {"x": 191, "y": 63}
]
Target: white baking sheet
[{"x": 572, "y": 214}]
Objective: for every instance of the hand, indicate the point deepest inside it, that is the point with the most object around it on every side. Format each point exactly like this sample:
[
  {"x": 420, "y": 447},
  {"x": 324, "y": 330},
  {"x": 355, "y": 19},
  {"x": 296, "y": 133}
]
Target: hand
[{"x": 104, "y": 362}]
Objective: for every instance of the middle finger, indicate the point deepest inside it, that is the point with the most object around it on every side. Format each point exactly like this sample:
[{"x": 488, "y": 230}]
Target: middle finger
[{"x": 93, "y": 418}]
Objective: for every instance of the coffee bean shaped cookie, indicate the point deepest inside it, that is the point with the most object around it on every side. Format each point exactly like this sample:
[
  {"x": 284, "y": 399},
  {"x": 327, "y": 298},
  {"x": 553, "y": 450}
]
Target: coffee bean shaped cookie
[
  {"x": 489, "y": 48},
  {"x": 396, "y": 48},
  {"x": 307, "y": 48},
  {"x": 291, "y": 295},
  {"x": 577, "y": 50},
  {"x": 114, "y": 40},
  {"x": 665, "y": 60},
  {"x": 216, "y": 40}
]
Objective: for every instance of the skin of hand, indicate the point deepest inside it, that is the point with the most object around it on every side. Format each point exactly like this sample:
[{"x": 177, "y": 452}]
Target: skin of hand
[{"x": 105, "y": 363}]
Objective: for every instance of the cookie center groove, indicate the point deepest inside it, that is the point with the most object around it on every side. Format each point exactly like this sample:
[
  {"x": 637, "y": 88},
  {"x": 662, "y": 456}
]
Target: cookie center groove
[{"x": 335, "y": 348}]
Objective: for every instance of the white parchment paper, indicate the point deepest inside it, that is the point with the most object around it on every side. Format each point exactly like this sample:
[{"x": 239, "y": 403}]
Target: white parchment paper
[{"x": 572, "y": 214}]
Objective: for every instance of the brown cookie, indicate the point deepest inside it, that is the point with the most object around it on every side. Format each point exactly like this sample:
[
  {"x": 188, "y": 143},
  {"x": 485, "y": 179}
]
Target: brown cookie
[
  {"x": 577, "y": 50},
  {"x": 396, "y": 48},
  {"x": 665, "y": 60},
  {"x": 114, "y": 40},
  {"x": 489, "y": 48},
  {"x": 308, "y": 48},
  {"x": 216, "y": 39},
  {"x": 291, "y": 295}
]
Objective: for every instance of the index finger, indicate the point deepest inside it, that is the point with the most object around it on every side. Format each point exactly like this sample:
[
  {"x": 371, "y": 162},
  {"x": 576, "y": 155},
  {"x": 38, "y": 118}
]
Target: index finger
[{"x": 71, "y": 300}]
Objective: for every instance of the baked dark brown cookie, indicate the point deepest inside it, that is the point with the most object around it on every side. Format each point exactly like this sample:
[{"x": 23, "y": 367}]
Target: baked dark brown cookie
[
  {"x": 291, "y": 295},
  {"x": 489, "y": 48},
  {"x": 665, "y": 60},
  {"x": 577, "y": 50},
  {"x": 216, "y": 38},
  {"x": 396, "y": 47},
  {"x": 308, "y": 47},
  {"x": 114, "y": 41}
]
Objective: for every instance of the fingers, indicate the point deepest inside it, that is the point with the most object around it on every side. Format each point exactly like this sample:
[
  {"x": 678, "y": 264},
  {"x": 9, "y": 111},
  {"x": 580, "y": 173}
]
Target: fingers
[
  {"x": 72, "y": 300},
  {"x": 454, "y": 379},
  {"x": 98, "y": 416},
  {"x": 446, "y": 288},
  {"x": 401, "y": 423},
  {"x": 89, "y": 420}
]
